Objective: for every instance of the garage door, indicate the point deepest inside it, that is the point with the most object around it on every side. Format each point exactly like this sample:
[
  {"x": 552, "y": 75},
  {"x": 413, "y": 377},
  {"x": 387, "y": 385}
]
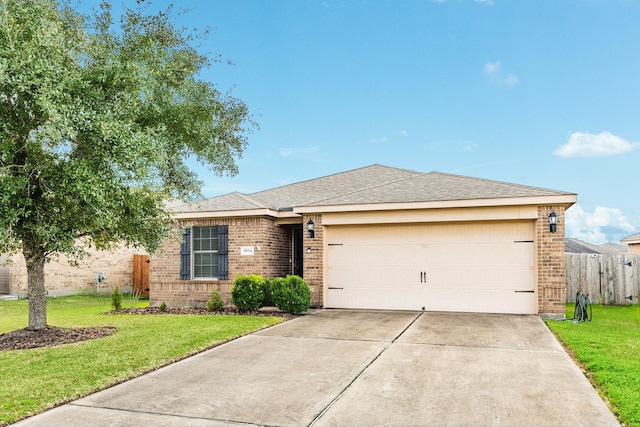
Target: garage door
[{"x": 467, "y": 267}]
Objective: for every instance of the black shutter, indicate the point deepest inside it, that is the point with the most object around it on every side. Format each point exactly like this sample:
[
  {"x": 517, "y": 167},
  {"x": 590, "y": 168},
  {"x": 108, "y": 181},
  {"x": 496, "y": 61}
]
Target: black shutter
[
  {"x": 223, "y": 252},
  {"x": 185, "y": 255}
]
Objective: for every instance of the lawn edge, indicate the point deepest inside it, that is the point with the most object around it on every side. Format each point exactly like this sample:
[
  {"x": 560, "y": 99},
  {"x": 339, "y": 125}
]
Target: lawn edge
[
  {"x": 123, "y": 380},
  {"x": 589, "y": 375}
]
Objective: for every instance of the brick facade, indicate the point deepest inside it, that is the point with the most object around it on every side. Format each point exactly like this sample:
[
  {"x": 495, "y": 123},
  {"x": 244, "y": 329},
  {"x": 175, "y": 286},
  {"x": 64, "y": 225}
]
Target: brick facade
[
  {"x": 62, "y": 279},
  {"x": 273, "y": 251},
  {"x": 313, "y": 260},
  {"x": 272, "y": 258},
  {"x": 552, "y": 280}
]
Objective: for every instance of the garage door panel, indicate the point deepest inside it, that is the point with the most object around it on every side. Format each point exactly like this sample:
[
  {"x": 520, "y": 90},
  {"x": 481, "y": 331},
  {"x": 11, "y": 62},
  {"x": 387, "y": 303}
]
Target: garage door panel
[
  {"x": 377, "y": 298},
  {"x": 376, "y": 254},
  {"x": 489, "y": 254},
  {"x": 484, "y": 267},
  {"x": 371, "y": 277},
  {"x": 491, "y": 278},
  {"x": 481, "y": 301}
]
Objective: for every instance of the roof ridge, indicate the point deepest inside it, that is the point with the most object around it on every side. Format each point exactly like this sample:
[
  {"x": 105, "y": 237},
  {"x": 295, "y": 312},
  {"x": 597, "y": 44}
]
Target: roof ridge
[
  {"x": 330, "y": 175},
  {"x": 248, "y": 199},
  {"x": 417, "y": 174}
]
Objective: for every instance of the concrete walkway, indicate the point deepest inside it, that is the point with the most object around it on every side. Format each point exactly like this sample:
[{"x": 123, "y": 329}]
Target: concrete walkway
[{"x": 360, "y": 368}]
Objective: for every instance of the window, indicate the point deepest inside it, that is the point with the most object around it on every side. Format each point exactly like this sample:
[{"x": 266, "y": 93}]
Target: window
[{"x": 204, "y": 253}]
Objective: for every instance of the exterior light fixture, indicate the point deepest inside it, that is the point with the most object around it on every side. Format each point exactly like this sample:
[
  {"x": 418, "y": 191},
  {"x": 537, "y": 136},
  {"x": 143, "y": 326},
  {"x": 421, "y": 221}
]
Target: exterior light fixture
[
  {"x": 553, "y": 222},
  {"x": 308, "y": 250},
  {"x": 312, "y": 233}
]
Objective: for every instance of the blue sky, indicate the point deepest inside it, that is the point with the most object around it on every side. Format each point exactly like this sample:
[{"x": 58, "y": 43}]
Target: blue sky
[{"x": 542, "y": 93}]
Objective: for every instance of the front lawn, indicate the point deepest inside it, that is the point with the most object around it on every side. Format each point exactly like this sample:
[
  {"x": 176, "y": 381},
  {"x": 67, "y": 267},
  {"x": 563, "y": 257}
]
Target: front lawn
[
  {"x": 608, "y": 348},
  {"x": 36, "y": 379}
]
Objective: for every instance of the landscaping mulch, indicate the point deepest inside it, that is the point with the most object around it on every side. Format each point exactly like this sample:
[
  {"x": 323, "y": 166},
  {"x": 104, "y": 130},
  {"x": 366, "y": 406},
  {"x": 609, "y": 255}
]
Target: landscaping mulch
[{"x": 51, "y": 336}]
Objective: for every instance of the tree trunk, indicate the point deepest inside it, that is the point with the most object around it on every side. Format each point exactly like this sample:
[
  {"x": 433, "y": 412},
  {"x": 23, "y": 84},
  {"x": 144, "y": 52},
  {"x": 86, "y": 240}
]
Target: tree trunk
[{"x": 35, "y": 259}]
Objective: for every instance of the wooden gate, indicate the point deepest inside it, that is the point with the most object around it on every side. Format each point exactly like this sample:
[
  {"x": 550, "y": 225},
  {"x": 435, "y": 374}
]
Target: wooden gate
[{"x": 141, "y": 275}]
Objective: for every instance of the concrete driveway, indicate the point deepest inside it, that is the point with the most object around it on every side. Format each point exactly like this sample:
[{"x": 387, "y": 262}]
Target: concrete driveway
[{"x": 340, "y": 367}]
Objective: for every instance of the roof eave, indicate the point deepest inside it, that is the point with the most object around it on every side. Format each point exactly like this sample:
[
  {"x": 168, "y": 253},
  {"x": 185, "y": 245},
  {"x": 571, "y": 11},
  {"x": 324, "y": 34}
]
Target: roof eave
[
  {"x": 566, "y": 200},
  {"x": 228, "y": 214}
]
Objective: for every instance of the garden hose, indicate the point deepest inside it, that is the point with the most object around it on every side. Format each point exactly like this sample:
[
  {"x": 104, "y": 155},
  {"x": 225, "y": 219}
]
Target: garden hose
[{"x": 582, "y": 312}]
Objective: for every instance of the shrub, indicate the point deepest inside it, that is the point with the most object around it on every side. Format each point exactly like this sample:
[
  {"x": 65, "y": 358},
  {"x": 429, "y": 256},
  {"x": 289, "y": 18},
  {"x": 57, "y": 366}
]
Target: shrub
[
  {"x": 215, "y": 302},
  {"x": 266, "y": 290},
  {"x": 291, "y": 294},
  {"x": 116, "y": 299},
  {"x": 163, "y": 307},
  {"x": 247, "y": 293}
]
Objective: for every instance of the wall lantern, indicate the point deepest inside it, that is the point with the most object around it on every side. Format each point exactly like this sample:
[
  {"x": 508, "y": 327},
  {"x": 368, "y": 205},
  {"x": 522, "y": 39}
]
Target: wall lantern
[
  {"x": 553, "y": 222},
  {"x": 312, "y": 233},
  {"x": 308, "y": 250}
]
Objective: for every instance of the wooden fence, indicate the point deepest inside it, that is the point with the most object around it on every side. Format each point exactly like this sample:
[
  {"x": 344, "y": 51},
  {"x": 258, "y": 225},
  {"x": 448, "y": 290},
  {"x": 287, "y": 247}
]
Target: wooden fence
[{"x": 607, "y": 279}]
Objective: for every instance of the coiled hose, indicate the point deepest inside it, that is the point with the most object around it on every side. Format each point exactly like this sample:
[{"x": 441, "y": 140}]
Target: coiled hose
[{"x": 582, "y": 312}]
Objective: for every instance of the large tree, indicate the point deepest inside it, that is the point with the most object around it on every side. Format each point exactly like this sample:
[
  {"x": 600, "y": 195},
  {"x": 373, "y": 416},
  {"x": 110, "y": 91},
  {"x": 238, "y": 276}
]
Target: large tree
[{"x": 98, "y": 124}]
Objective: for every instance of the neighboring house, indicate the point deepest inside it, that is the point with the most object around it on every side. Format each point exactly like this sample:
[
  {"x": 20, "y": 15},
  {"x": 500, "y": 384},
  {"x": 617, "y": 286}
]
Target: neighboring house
[
  {"x": 63, "y": 279},
  {"x": 633, "y": 243},
  {"x": 378, "y": 238},
  {"x": 575, "y": 246}
]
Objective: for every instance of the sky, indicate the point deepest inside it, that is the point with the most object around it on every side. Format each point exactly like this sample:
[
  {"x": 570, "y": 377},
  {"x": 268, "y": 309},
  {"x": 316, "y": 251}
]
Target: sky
[{"x": 543, "y": 93}]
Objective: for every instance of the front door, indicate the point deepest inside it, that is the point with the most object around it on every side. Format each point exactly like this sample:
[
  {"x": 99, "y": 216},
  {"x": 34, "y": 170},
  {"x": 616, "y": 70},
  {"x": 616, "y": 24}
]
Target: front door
[{"x": 298, "y": 251}]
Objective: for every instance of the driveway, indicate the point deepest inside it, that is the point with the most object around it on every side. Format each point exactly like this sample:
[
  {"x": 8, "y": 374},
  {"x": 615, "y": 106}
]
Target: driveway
[{"x": 341, "y": 367}]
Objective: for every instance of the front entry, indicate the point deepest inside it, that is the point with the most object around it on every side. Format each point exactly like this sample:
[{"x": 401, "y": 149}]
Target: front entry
[{"x": 298, "y": 252}]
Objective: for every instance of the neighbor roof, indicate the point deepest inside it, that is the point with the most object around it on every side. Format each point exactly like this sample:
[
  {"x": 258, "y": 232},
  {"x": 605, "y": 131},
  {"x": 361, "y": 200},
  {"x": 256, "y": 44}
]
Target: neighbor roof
[
  {"x": 375, "y": 184},
  {"x": 634, "y": 238},
  {"x": 578, "y": 246}
]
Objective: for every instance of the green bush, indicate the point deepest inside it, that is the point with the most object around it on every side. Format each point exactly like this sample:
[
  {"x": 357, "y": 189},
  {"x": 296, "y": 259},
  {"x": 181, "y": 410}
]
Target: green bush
[
  {"x": 247, "y": 293},
  {"x": 116, "y": 299},
  {"x": 291, "y": 294},
  {"x": 215, "y": 302},
  {"x": 163, "y": 307},
  {"x": 266, "y": 290}
]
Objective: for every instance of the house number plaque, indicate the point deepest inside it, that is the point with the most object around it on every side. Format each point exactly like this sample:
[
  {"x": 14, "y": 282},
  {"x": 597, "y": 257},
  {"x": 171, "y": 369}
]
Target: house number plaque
[{"x": 246, "y": 250}]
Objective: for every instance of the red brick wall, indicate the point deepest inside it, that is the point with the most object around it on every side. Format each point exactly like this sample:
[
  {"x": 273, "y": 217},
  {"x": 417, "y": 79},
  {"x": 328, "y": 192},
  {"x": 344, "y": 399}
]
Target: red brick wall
[
  {"x": 313, "y": 261},
  {"x": 552, "y": 281},
  {"x": 272, "y": 258}
]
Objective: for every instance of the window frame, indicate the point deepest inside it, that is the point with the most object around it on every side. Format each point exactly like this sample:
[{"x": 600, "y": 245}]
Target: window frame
[{"x": 213, "y": 250}]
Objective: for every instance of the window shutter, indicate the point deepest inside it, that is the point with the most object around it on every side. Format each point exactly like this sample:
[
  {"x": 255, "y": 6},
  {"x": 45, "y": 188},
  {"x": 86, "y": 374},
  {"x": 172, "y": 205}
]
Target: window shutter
[
  {"x": 223, "y": 252},
  {"x": 185, "y": 255}
]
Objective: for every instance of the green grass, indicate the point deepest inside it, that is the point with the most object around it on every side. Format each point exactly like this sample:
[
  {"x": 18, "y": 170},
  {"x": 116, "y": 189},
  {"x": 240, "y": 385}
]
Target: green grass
[
  {"x": 36, "y": 379},
  {"x": 608, "y": 347}
]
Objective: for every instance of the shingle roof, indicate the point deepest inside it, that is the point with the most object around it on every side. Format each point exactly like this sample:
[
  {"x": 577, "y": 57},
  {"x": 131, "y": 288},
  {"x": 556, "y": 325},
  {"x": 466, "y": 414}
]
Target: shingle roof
[
  {"x": 375, "y": 184},
  {"x": 434, "y": 187},
  {"x": 633, "y": 238},
  {"x": 576, "y": 246},
  {"x": 228, "y": 202},
  {"x": 309, "y": 192}
]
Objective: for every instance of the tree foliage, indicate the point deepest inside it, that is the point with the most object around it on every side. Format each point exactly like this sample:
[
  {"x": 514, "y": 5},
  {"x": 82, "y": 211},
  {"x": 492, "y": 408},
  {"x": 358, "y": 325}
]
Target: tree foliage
[{"x": 98, "y": 124}]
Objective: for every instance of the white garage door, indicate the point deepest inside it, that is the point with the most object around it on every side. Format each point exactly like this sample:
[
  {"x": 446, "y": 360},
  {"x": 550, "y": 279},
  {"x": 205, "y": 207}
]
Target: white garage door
[{"x": 470, "y": 267}]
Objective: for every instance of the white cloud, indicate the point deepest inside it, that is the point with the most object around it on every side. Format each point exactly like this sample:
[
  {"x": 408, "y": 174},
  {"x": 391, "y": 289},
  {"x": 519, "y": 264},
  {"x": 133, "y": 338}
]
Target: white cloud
[
  {"x": 492, "y": 67},
  {"x": 601, "y": 226},
  {"x": 300, "y": 152},
  {"x": 583, "y": 144},
  {"x": 381, "y": 140},
  {"x": 403, "y": 133},
  {"x": 494, "y": 71}
]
